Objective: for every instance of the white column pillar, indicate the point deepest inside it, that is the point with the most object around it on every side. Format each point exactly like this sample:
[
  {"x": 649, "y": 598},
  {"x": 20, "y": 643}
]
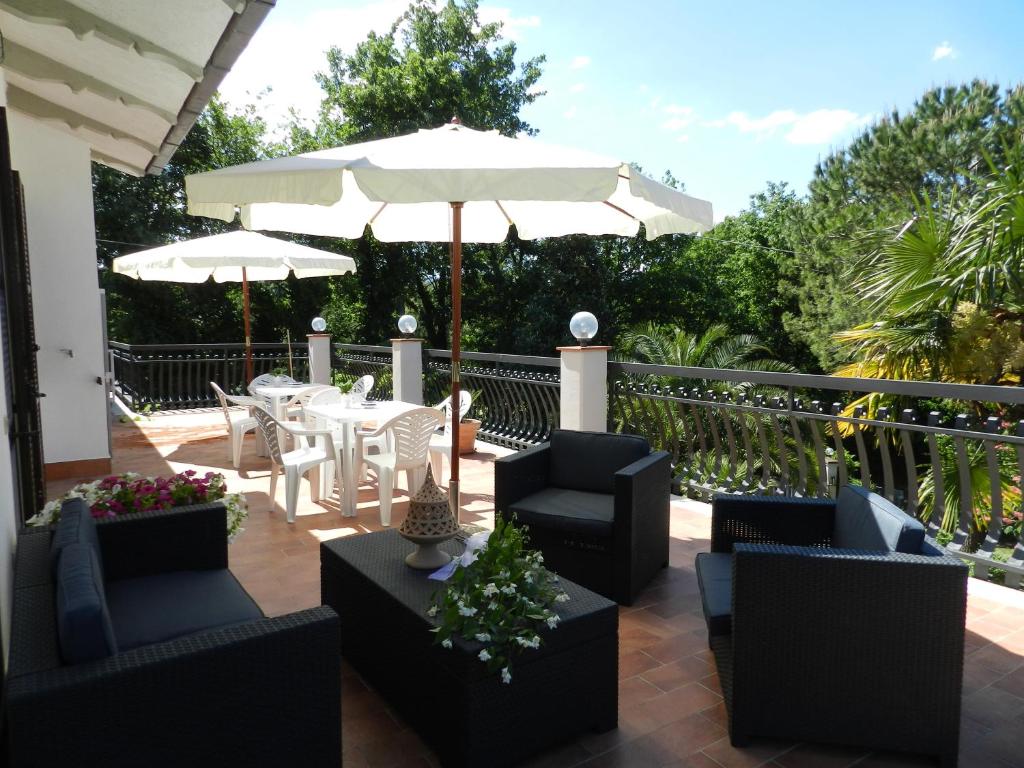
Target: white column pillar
[
  {"x": 407, "y": 366},
  {"x": 319, "y": 358},
  {"x": 584, "y": 389}
]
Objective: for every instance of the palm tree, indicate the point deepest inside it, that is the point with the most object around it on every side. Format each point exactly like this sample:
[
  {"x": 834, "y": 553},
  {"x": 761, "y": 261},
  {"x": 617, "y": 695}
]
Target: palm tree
[
  {"x": 949, "y": 281},
  {"x": 714, "y": 348},
  {"x": 698, "y": 436}
]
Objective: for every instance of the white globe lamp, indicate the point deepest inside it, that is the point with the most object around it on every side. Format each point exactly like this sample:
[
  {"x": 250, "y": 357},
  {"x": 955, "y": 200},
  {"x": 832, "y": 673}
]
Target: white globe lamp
[
  {"x": 407, "y": 324},
  {"x": 583, "y": 326}
]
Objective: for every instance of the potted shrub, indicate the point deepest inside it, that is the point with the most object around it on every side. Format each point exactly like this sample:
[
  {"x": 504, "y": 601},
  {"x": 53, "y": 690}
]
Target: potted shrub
[{"x": 467, "y": 434}]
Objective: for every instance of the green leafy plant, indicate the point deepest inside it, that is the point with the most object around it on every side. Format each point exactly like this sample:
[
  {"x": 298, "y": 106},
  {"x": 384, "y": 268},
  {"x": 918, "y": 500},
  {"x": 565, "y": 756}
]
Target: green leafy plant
[{"x": 501, "y": 600}]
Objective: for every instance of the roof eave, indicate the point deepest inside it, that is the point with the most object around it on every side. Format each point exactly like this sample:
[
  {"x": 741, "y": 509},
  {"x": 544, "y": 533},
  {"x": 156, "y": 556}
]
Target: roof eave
[{"x": 236, "y": 37}]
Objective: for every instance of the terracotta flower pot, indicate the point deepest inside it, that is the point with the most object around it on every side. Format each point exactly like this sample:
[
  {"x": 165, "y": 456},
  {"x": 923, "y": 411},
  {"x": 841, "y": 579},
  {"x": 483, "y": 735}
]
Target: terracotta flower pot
[{"x": 467, "y": 435}]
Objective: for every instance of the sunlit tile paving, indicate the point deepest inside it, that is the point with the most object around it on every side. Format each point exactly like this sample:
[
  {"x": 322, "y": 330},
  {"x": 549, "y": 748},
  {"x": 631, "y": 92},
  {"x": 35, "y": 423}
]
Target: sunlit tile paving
[{"x": 670, "y": 705}]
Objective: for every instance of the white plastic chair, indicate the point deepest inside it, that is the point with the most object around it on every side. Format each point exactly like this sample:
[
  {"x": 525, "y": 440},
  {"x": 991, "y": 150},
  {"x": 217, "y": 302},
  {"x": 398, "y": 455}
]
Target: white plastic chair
[
  {"x": 297, "y": 462},
  {"x": 268, "y": 379},
  {"x": 238, "y": 423},
  {"x": 293, "y": 409},
  {"x": 411, "y": 433},
  {"x": 441, "y": 442},
  {"x": 362, "y": 387}
]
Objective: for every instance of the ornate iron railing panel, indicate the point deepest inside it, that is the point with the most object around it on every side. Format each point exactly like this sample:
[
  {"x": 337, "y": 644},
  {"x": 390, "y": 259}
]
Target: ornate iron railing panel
[
  {"x": 355, "y": 360},
  {"x": 746, "y": 432},
  {"x": 515, "y": 397},
  {"x": 179, "y": 375}
]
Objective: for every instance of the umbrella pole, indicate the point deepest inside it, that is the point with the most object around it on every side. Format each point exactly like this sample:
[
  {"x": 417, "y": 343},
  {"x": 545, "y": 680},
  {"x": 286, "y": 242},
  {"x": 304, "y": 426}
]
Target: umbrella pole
[
  {"x": 453, "y": 485},
  {"x": 248, "y": 335}
]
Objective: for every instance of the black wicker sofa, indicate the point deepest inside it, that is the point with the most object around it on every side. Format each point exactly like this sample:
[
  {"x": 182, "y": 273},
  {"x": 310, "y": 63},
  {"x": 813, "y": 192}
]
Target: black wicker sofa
[
  {"x": 835, "y": 621},
  {"x": 133, "y": 644}
]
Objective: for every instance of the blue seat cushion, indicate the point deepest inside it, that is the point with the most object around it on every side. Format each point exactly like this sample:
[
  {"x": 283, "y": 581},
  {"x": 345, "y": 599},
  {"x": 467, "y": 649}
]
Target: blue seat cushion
[
  {"x": 152, "y": 609},
  {"x": 75, "y": 526},
  {"x": 590, "y": 514},
  {"x": 714, "y": 577},
  {"x": 588, "y": 461},
  {"x": 867, "y": 521},
  {"x": 83, "y": 622}
]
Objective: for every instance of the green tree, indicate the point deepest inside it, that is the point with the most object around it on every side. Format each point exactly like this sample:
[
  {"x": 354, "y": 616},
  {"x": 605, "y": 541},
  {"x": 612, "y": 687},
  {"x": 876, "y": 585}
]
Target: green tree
[
  {"x": 132, "y": 212},
  {"x": 752, "y": 259},
  {"x": 436, "y": 62},
  {"x": 946, "y": 291},
  {"x": 870, "y": 187}
]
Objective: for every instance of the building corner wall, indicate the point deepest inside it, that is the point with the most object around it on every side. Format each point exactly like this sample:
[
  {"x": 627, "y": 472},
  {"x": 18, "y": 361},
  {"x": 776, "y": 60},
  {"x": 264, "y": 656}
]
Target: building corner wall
[{"x": 56, "y": 173}]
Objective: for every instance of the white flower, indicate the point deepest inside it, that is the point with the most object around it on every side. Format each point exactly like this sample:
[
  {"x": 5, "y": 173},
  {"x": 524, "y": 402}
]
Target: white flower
[
  {"x": 503, "y": 574},
  {"x": 484, "y": 655},
  {"x": 446, "y": 643},
  {"x": 562, "y": 597},
  {"x": 492, "y": 606},
  {"x": 506, "y": 676},
  {"x": 490, "y": 589},
  {"x": 528, "y": 577},
  {"x": 509, "y": 589},
  {"x": 432, "y": 611},
  {"x": 464, "y": 611},
  {"x": 552, "y": 621},
  {"x": 483, "y": 637}
]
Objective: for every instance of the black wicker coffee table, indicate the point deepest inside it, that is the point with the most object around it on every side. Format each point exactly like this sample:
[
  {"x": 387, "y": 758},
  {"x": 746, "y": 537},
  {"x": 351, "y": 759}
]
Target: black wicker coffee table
[{"x": 467, "y": 715}]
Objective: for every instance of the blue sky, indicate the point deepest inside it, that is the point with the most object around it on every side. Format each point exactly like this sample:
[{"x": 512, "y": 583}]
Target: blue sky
[{"x": 727, "y": 96}]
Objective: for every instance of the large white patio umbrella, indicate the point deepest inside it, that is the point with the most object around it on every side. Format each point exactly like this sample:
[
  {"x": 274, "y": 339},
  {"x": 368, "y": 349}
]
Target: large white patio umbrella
[
  {"x": 449, "y": 184},
  {"x": 234, "y": 257}
]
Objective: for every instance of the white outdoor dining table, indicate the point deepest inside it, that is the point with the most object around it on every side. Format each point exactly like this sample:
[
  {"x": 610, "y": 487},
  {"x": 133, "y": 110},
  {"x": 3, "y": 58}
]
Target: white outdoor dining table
[
  {"x": 345, "y": 419},
  {"x": 277, "y": 395}
]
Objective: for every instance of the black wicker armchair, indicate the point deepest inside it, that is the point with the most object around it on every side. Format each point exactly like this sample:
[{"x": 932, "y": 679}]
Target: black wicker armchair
[
  {"x": 835, "y": 622},
  {"x": 253, "y": 692},
  {"x": 597, "y": 507}
]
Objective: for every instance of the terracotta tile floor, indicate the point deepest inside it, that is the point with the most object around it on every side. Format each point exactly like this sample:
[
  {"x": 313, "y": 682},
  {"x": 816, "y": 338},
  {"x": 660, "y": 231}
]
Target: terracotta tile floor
[{"x": 670, "y": 705}]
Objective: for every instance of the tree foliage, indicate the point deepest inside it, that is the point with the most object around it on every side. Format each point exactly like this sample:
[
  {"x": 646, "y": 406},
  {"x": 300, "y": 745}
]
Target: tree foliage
[{"x": 866, "y": 191}]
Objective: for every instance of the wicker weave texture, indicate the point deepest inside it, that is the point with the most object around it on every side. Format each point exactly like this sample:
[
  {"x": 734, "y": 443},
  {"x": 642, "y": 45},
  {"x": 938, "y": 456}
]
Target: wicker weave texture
[
  {"x": 618, "y": 566},
  {"x": 465, "y": 713},
  {"x": 840, "y": 646},
  {"x": 261, "y": 693}
]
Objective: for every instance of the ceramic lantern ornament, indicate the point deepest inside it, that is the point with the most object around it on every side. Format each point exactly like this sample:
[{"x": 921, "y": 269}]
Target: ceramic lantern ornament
[{"x": 428, "y": 523}]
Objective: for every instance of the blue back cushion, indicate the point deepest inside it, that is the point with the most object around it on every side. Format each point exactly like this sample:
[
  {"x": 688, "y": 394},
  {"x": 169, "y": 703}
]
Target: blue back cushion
[
  {"x": 83, "y": 622},
  {"x": 865, "y": 520},
  {"x": 76, "y": 526},
  {"x": 588, "y": 461}
]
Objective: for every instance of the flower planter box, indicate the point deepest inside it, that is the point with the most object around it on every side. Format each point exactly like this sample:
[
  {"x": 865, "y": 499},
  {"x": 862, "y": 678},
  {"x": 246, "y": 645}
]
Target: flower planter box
[
  {"x": 466, "y": 714},
  {"x": 467, "y": 435}
]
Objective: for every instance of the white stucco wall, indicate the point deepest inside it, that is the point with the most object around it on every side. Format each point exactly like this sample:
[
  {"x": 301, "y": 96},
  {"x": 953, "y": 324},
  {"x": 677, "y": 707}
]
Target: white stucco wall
[
  {"x": 8, "y": 514},
  {"x": 56, "y": 174}
]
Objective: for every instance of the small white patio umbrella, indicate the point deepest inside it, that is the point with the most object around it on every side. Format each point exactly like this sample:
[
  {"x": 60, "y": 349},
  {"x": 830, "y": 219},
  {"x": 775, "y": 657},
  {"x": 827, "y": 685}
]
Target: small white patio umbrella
[
  {"x": 234, "y": 257},
  {"x": 405, "y": 187}
]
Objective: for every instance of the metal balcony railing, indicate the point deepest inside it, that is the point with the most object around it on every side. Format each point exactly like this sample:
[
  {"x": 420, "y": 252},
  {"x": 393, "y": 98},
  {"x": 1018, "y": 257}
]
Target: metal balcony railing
[
  {"x": 170, "y": 376},
  {"x": 515, "y": 397},
  {"x": 795, "y": 434}
]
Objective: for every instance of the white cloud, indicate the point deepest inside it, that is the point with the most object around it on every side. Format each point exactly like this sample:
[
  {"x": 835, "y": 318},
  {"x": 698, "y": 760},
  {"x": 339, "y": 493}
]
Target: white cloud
[
  {"x": 761, "y": 125},
  {"x": 824, "y": 125},
  {"x": 580, "y": 62},
  {"x": 644, "y": 88},
  {"x": 675, "y": 109},
  {"x": 570, "y": 113},
  {"x": 682, "y": 138},
  {"x": 512, "y": 26},
  {"x": 577, "y": 88},
  {"x": 676, "y": 123},
  {"x": 943, "y": 51},
  {"x": 818, "y": 127}
]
